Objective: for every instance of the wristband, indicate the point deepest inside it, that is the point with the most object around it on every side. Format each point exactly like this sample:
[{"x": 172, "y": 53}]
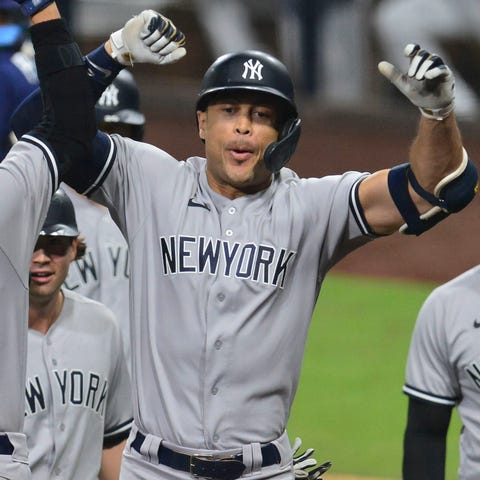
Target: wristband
[
  {"x": 438, "y": 113},
  {"x": 31, "y": 7}
]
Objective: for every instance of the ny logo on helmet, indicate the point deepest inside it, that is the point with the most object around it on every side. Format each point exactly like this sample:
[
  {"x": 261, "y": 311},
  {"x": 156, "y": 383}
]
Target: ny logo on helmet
[
  {"x": 254, "y": 69},
  {"x": 109, "y": 97}
]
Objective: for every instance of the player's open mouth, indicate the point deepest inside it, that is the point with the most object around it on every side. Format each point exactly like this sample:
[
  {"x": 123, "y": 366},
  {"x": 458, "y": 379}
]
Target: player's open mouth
[
  {"x": 41, "y": 277},
  {"x": 241, "y": 154}
]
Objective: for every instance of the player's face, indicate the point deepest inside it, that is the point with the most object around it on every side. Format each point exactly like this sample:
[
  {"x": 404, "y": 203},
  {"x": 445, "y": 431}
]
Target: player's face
[
  {"x": 237, "y": 130},
  {"x": 49, "y": 266}
]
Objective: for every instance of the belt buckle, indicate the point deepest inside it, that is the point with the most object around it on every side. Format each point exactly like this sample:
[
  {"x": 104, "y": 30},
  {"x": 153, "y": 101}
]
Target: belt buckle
[
  {"x": 212, "y": 467},
  {"x": 193, "y": 464}
]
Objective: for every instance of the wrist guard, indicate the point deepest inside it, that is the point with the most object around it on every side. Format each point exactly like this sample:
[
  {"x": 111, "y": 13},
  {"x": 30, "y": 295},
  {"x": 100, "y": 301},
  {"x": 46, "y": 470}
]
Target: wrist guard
[{"x": 452, "y": 194}]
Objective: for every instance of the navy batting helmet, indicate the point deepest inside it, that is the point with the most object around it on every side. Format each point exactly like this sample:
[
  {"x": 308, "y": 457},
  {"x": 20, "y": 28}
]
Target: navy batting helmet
[
  {"x": 261, "y": 72},
  {"x": 61, "y": 218},
  {"x": 120, "y": 105}
]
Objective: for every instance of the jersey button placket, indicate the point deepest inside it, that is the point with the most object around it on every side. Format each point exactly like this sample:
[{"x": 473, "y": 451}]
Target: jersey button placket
[{"x": 228, "y": 217}]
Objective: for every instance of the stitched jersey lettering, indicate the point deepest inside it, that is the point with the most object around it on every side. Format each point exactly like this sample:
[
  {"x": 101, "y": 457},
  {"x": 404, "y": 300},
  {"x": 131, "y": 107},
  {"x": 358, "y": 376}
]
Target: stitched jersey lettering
[{"x": 259, "y": 263}]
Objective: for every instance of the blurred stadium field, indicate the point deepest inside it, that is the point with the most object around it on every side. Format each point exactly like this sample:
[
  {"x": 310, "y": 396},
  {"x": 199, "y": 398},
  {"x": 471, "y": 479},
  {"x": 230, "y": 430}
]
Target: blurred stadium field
[{"x": 349, "y": 405}]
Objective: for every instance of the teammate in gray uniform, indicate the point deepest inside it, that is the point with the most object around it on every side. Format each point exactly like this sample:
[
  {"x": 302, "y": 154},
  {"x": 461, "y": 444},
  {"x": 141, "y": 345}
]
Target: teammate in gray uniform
[
  {"x": 443, "y": 372},
  {"x": 228, "y": 253},
  {"x": 78, "y": 393},
  {"x": 29, "y": 175}
]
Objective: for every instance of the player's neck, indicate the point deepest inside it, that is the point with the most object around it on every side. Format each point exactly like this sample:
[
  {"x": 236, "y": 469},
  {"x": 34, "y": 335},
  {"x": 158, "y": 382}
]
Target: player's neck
[
  {"x": 43, "y": 313},
  {"x": 232, "y": 192}
]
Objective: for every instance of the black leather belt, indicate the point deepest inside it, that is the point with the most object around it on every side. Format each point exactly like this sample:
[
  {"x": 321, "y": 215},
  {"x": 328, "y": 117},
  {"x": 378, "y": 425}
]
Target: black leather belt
[
  {"x": 206, "y": 466},
  {"x": 6, "y": 447}
]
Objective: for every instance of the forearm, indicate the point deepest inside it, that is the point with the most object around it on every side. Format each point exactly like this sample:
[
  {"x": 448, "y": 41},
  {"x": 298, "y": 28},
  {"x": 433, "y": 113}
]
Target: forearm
[
  {"x": 111, "y": 462},
  {"x": 103, "y": 70},
  {"x": 424, "y": 456},
  {"x": 436, "y": 151},
  {"x": 50, "y": 12},
  {"x": 424, "y": 444},
  {"x": 68, "y": 121}
]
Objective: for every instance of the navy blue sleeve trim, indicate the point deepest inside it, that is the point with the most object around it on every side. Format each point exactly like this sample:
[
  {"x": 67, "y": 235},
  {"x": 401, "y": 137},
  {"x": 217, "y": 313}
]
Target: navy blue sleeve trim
[
  {"x": 115, "y": 439},
  {"x": 104, "y": 154},
  {"x": 357, "y": 210},
  {"x": 113, "y": 436},
  {"x": 117, "y": 428},
  {"x": 428, "y": 396},
  {"x": 49, "y": 156}
]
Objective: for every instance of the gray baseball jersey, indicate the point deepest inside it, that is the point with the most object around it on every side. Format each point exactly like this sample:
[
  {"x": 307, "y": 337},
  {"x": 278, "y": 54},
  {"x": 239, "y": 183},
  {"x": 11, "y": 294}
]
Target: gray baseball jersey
[
  {"x": 222, "y": 291},
  {"x": 443, "y": 363},
  {"x": 77, "y": 392},
  {"x": 103, "y": 273},
  {"x": 28, "y": 176}
]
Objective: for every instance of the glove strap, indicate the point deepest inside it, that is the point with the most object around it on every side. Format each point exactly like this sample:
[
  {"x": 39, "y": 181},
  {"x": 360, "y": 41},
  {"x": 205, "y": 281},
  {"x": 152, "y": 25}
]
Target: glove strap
[
  {"x": 119, "y": 50},
  {"x": 438, "y": 113}
]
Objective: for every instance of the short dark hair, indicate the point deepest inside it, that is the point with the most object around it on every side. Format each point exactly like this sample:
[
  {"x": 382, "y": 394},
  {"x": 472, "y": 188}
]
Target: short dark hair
[{"x": 81, "y": 248}]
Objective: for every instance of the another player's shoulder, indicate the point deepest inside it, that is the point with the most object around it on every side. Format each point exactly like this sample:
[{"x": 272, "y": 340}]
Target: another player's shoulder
[
  {"x": 452, "y": 304},
  {"x": 90, "y": 311},
  {"x": 465, "y": 284},
  {"x": 25, "y": 149},
  {"x": 28, "y": 162}
]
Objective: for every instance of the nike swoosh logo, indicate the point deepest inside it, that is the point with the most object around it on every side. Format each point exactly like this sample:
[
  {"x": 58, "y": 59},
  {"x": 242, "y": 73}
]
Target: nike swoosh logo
[
  {"x": 192, "y": 203},
  {"x": 476, "y": 324}
]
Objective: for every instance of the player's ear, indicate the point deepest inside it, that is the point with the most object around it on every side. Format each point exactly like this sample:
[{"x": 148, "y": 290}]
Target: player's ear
[
  {"x": 201, "y": 121},
  {"x": 73, "y": 253}
]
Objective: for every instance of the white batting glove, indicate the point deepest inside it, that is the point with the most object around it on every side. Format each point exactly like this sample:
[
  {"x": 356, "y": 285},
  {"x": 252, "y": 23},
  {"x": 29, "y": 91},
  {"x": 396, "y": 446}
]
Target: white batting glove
[
  {"x": 428, "y": 84},
  {"x": 304, "y": 466},
  {"x": 148, "y": 38}
]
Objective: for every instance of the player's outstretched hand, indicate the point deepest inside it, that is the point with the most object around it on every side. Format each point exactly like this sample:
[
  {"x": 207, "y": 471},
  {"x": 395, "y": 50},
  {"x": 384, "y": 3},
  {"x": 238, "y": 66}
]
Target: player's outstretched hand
[
  {"x": 148, "y": 38},
  {"x": 304, "y": 466},
  {"x": 428, "y": 84}
]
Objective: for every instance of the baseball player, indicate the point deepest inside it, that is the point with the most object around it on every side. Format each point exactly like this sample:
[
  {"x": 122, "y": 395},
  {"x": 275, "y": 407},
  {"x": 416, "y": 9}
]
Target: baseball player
[
  {"x": 443, "y": 372},
  {"x": 78, "y": 389},
  {"x": 228, "y": 252},
  {"x": 29, "y": 175},
  {"x": 102, "y": 273}
]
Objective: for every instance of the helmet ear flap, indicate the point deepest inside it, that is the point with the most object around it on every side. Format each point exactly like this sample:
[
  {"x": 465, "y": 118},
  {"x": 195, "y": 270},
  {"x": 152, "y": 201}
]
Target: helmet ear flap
[{"x": 278, "y": 153}]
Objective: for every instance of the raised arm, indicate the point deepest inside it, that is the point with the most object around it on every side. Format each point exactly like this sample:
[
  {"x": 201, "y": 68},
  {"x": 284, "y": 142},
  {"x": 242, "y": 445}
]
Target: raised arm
[
  {"x": 67, "y": 127},
  {"x": 146, "y": 38},
  {"x": 439, "y": 179}
]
